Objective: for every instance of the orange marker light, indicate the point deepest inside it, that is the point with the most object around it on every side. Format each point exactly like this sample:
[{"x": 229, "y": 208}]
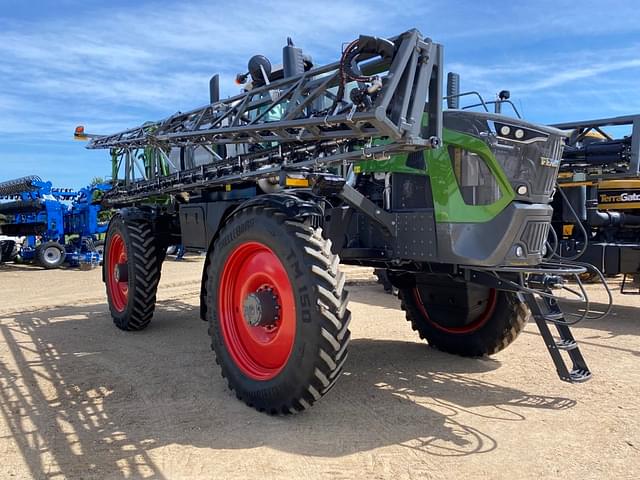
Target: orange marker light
[{"x": 79, "y": 133}]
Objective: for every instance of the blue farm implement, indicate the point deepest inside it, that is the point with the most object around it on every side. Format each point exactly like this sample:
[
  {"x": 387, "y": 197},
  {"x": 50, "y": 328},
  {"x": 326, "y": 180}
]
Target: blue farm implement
[{"x": 51, "y": 226}]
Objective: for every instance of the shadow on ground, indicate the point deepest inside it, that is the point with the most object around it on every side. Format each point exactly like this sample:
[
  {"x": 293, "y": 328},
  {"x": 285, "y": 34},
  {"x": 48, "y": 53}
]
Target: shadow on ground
[
  {"x": 19, "y": 267},
  {"x": 622, "y": 320},
  {"x": 83, "y": 398}
]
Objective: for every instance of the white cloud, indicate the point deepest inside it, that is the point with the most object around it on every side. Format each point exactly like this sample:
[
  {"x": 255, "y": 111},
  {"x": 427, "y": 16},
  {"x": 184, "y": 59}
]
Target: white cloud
[
  {"x": 148, "y": 61},
  {"x": 567, "y": 85}
]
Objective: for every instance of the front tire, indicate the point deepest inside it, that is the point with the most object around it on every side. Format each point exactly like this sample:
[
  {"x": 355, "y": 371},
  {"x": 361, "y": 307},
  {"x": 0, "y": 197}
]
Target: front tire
[
  {"x": 493, "y": 322},
  {"x": 277, "y": 309},
  {"x": 131, "y": 270}
]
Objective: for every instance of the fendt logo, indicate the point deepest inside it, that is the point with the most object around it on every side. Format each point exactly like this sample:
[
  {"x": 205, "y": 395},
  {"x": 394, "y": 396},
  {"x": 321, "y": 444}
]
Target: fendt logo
[{"x": 619, "y": 197}]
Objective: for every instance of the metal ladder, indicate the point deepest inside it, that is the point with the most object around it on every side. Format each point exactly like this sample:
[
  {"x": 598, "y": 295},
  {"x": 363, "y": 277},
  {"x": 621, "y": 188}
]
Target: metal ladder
[{"x": 547, "y": 311}]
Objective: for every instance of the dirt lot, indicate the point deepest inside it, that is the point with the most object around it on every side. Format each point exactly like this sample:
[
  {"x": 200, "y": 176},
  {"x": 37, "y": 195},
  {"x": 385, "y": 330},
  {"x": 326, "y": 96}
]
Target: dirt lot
[{"x": 81, "y": 399}]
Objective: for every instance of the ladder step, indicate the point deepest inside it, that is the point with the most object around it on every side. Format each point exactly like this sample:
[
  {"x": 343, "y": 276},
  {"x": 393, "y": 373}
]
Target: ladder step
[
  {"x": 553, "y": 316},
  {"x": 577, "y": 375},
  {"x": 566, "y": 344},
  {"x": 580, "y": 375},
  {"x": 580, "y": 371}
]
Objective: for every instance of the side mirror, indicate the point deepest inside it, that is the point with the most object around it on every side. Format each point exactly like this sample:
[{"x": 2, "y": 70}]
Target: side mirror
[{"x": 453, "y": 90}]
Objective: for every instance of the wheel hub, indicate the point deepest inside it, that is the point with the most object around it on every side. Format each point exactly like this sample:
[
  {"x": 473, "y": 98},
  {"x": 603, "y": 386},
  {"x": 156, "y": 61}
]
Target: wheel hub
[
  {"x": 261, "y": 308},
  {"x": 52, "y": 254},
  {"x": 121, "y": 272},
  {"x": 257, "y": 311}
]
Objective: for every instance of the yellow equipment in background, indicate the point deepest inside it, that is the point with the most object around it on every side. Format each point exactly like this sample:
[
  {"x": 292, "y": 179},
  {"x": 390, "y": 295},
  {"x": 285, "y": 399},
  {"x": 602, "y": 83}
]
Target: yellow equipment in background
[{"x": 597, "y": 214}]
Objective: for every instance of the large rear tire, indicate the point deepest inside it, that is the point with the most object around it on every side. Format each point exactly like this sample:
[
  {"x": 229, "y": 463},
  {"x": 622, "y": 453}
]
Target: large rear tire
[
  {"x": 492, "y": 323},
  {"x": 131, "y": 271},
  {"x": 277, "y": 310}
]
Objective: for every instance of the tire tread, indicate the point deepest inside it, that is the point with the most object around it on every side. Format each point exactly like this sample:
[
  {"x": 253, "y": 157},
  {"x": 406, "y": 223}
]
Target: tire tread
[
  {"x": 331, "y": 313},
  {"x": 143, "y": 252}
]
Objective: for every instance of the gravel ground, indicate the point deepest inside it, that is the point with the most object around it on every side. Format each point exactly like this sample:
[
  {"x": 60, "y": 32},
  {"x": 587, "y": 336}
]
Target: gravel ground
[{"x": 81, "y": 399}]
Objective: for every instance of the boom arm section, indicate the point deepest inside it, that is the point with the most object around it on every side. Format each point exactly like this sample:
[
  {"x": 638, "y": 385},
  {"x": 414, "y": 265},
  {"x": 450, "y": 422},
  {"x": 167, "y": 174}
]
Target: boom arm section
[{"x": 379, "y": 89}]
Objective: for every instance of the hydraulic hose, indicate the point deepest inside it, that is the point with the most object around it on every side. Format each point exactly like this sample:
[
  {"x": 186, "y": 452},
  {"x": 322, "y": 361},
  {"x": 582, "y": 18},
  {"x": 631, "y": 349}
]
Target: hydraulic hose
[
  {"x": 580, "y": 225},
  {"x": 587, "y": 314},
  {"x": 366, "y": 46}
]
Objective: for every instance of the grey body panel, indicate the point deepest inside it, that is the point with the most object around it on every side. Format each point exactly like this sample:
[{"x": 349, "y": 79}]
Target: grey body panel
[{"x": 493, "y": 243}]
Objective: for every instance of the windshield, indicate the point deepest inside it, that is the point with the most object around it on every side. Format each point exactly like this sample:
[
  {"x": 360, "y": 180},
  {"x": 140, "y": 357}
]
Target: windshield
[{"x": 529, "y": 155}]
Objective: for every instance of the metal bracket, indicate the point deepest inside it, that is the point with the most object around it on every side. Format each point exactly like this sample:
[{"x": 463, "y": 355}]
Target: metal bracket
[
  {"x": 358, "y": 201},
  {"x": 328, "y": 184},
  {"x": 490, "y": 280}
]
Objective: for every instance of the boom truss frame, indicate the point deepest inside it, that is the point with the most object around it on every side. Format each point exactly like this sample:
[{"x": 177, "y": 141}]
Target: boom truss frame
[{"x": 305, "y": 134}]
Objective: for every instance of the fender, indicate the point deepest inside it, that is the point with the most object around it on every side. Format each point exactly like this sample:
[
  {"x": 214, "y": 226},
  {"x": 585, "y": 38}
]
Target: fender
[
  {"x": 299, "y": 205},
  {"x": 135, "y": 213},
  {"x": 295, "y": 205}
]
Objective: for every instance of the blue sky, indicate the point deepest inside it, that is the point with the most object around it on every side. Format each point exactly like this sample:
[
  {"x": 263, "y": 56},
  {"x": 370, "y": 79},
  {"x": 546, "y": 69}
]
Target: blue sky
[{"x": 113, "y": 65}]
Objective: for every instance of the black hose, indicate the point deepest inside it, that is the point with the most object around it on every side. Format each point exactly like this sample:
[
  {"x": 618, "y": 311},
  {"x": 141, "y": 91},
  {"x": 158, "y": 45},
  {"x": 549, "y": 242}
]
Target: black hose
[
  {"x": 349, "y": 69},
  {"x": 366, "y": 45},
  {"x": 580, "y": 225},
  {"x": 551, "y": 250},
  {"x": 572, "y": 260}
]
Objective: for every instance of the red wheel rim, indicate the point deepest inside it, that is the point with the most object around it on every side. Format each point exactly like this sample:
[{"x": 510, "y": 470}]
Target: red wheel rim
[
  {"x": 261, "y": 352},
  {"x": 471, "y": 327},
  {"x": 118, "y": 288}
]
